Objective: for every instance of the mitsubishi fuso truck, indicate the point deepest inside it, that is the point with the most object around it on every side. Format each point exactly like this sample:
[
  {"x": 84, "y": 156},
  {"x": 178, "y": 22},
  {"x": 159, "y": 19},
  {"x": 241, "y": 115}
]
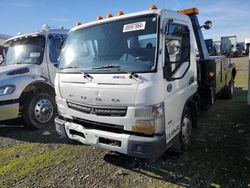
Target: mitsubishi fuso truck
[
  {"x": 132, "y": 84},
  {"x": 27, "y": 77}
]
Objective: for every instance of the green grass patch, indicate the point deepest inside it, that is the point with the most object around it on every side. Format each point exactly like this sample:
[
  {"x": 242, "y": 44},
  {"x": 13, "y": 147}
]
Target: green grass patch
[{"x": 28, "y": 163}]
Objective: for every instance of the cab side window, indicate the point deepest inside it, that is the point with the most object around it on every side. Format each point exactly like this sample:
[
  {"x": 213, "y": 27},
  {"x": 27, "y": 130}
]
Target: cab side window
[
  {"x": 177, "y": 46},
  {"x": 55, "y": 46}
]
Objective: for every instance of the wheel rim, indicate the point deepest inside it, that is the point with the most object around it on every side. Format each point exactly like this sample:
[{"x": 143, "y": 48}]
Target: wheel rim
[
  {"x": 43, "y": 110},
  {"x": 186, "y": 129},
  {"x": 212, "y": 96},
  {"x": 232, "y": 89}
]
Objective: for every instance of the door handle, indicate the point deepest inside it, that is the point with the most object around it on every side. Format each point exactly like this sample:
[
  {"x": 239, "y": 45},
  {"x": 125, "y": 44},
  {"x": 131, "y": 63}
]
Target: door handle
[{"x": 191, "y": 80}]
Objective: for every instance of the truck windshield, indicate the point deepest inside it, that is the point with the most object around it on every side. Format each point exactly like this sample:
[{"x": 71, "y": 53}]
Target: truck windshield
[
  {"x": 26, "y": 51},
  {"x": 120, "y": 46}
]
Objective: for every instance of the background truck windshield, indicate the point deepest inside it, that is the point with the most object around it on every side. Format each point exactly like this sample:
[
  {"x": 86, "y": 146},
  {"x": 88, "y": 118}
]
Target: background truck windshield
[
  {"x": 121, "y": 46},
  {"x": 26, "y": 51}
]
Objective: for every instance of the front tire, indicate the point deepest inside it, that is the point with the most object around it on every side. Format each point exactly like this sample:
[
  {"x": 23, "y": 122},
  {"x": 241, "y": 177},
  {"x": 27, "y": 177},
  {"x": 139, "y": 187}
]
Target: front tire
[
  {"x": 184, "y": 141},
  {"x": 39, "y": 111}
]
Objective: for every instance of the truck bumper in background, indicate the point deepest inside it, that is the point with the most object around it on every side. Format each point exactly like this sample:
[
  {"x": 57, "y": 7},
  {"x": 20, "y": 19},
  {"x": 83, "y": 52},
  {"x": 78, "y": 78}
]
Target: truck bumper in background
[
  {"x": 60, "y": 128},
  {"x": 137, "y": 146},
  {"x": 9, "y": 111}
]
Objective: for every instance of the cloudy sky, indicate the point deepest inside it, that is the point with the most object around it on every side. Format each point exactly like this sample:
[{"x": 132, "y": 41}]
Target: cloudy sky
[{"x": 230, "y": 17}]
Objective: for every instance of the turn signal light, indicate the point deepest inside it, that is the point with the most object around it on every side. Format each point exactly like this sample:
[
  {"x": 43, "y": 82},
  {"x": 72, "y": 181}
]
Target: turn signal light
[
  {"x": 109, "y": 15},
  {"x": 119, "y": 13},
  {"x": 78, "y": 23},
  {"x": 145, "y": 127},
  {"x": 211, "y": 74},
  {"x": 153, "y": 7},
  {"x": 189, "y": 11},
  {"x": 99, "y": 18}
]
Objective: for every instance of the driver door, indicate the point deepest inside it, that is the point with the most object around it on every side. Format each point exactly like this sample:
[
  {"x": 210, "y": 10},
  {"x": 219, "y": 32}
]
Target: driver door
[{"x": 177, "y": 72}]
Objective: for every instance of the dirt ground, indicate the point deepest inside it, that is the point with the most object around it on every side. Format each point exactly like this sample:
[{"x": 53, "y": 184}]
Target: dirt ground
[{"x": 219, "y": 156}]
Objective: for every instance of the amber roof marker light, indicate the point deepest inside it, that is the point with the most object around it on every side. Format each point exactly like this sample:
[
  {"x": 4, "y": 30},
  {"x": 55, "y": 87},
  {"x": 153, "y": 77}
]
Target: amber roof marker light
[
  {"x": 99, "y": 18},
  {"x": 119, "y": 13},
  {"x": 189, "y": 11},
  {"x": 78, "y": 23},
  {"x": 153, "y": 7},
  {"x": 109, "y": 15}
]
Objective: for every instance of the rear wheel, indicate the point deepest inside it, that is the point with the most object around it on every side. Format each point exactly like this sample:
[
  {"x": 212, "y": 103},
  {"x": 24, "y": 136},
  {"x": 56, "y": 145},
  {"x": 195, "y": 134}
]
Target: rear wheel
[
  {"x": 39, "y": 111},
  {"x": 212, "y": 96},
  {"x": 229, "y": 90}
]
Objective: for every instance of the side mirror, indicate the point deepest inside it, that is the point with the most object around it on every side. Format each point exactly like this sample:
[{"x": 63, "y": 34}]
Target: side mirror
[{"x": 207, "y": 25}]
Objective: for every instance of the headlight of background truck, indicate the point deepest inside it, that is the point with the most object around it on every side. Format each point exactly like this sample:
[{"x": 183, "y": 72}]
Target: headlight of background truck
[
  {"x": 8, "y": 89},
  {"x": 149, "y": 119}
]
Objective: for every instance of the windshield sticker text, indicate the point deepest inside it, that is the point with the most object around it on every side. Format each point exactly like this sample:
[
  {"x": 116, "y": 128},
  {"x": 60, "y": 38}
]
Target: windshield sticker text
[
  {"x": 34, "y": 54},
  {"x": 134, "y": 26}
]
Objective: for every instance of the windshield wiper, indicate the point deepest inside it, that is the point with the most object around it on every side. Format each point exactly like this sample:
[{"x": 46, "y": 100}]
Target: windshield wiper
[
  {"x": 22, "y": 62},
  {"x": 107, "y": 67},
  {"x": 86, "y": 75}
]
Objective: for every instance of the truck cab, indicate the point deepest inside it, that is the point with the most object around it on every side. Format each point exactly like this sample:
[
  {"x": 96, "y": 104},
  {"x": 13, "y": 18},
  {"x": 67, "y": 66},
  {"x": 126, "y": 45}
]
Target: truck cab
[
  {"x": 130, "y": 83},
  {"x": 27, "y": 77}
]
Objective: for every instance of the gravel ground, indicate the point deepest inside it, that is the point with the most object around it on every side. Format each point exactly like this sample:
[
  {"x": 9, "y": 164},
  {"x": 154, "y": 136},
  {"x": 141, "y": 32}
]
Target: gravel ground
[{"x": 219, "y": 157}]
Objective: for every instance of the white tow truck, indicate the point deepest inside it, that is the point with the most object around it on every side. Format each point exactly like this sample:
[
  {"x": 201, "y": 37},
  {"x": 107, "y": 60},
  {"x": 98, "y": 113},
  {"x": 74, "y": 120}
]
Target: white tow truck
[
  {"x": 131, "y": 83},
  {"x": 27, "y": 77}
]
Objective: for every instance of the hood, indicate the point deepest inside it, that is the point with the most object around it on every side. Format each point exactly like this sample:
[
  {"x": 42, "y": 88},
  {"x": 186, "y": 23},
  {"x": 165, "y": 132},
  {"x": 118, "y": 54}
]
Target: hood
[
  {"x": 100, "y": 89},
  {"x": 16, "y": 69}
]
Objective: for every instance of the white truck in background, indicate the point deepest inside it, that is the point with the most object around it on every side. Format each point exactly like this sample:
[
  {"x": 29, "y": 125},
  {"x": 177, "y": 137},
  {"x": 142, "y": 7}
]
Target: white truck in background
[
  {"x": 229, "y": 46},
  {"x": 27, "y": 77},
  {"x": 131, "y": 83},
  {"x": 217, "y": 45},
  {"x": 247, "y": 45}
]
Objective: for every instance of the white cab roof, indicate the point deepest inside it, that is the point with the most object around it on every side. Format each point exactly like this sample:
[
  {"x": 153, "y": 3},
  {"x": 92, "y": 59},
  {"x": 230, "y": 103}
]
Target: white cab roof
[
  {"x": 51, "y": 31},
  {"x": 129, "y": 15}
]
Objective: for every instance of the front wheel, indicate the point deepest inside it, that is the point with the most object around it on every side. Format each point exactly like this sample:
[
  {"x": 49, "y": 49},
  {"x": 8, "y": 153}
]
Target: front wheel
[
  {"x": 39, "y": 111},
  {"x": 184, "y": 140}
]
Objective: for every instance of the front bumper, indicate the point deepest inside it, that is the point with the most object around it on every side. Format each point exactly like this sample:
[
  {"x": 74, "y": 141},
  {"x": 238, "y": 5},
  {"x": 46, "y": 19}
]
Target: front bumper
[
  {"x": 9, "y": 110},
  {"x": 137, "y": 146}
]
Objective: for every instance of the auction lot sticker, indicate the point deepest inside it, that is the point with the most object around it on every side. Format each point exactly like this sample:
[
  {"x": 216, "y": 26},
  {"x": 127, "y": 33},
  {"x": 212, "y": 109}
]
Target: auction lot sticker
[
  {"x": 35, "y": 54},
  {"x": 134, "y": 26}
]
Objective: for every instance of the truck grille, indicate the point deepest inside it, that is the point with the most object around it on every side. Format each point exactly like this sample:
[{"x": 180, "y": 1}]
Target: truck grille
[
  {"x": 99, "y": 126},
  {"x": 100, "y": 111}
]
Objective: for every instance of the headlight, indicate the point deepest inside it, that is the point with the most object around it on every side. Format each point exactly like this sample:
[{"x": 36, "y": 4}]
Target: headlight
[
  {"x": 8, "y": 89},
  {"x": 149, "y": 119}
]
